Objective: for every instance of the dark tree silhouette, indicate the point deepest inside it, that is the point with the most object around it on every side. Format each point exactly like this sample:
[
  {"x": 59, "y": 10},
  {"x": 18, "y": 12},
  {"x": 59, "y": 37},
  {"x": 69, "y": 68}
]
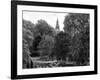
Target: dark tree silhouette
[
  {"x": 33, "y": 48},
  {"x": 62, "y": 43}
]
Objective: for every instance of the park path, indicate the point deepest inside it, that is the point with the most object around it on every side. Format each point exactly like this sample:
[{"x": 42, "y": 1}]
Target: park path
[{"x": 36, "y": 60}]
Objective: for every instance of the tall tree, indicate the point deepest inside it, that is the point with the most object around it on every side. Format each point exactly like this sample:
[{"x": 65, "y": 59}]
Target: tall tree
[
  {"x": 44, "y": 28},
  {"x": 77, "y": 25},
  {"x": 46, "y": 45},
  {"x": 75, "y": 22},
  {"x": 61, "y": 48},
  {"x": 84, "y": 50},
  {"x": 80, "y": 47},
  {"x": 27, "y": 41},
  {"x": 43, "y": 38}
]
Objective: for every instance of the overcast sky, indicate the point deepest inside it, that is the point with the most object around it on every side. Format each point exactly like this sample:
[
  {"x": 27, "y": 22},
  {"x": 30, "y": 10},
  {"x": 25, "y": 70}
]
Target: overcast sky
[{"x": 49, "y": 17}]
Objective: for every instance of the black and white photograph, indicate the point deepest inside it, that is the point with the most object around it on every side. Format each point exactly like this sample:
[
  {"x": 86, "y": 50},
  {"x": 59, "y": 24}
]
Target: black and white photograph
[{"x": 51, "y": 39}]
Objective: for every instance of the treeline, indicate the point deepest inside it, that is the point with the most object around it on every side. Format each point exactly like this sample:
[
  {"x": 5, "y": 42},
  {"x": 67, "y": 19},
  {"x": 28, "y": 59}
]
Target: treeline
[{"x": 72, "y": 44}]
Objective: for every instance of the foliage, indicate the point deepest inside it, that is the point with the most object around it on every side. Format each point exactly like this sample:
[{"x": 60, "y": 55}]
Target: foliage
[
  {"x": 43, "y": 38},
  {"x": 61, "y": 48},
  {"x": 46, "y": 45},
  {"x": 84, "y": 50},
  {"x": 77, "y": 26},
  {"x": 75, "y": 22},
  {"x": 28, "y": 31},
  {"x": 42, "y": 27},
  {"x": 26, "y": 58},
  {"x": 80, "y": 49},
  {"x": 27, "y": 41}
]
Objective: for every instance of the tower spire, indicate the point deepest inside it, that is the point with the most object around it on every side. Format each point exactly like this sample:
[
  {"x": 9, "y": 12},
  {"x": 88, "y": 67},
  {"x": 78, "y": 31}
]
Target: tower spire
[{"x": 57, "y": 25}]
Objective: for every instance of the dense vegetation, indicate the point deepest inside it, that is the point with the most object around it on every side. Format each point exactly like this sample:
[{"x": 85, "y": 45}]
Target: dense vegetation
[{"x": 70, "y": 47}]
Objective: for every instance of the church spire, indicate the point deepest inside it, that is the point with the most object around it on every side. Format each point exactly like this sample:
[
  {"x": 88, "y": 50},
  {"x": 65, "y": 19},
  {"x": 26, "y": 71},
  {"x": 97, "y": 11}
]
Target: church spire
[{"x": 57, "y": 26}]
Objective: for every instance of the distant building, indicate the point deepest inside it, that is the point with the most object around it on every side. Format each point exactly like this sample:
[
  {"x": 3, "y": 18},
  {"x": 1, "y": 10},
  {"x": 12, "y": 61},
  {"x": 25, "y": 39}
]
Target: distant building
[{"x": 57, "y": 26}]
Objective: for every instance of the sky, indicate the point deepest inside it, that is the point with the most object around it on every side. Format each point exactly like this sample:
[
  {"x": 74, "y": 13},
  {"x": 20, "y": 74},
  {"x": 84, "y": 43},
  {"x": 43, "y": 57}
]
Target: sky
[{"x": 49, "y": 17}]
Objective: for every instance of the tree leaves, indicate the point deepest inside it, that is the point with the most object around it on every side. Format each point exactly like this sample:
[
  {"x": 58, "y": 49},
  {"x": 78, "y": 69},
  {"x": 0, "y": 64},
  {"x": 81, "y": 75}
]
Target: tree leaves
[
  {"x": 75, "y": 22},
  {"x": 62, "y": 44},
  {"x": 46, "y": 45},
  {"x": 43, "y": 27},
  {"x": 77, "y": 25},
  {"x": 27, "y": 41}
]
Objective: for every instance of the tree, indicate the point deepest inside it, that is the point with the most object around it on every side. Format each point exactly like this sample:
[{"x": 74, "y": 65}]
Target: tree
[
  {"x": 27, "y": 41},
  {"x": 42, "y": 27},
  {"x": 75, "y": 22},
  {"x": 80, "y": 47},
  {"x": 28, "y": 31},
  {"x": 46, "y": 45},
  {"x": 76, "y": 45},
  {"x": 34, "y": 47},
  {"x": 77, "y": 26},
  {"x": 42, "y": 33},
  {"x": 61, "y": 48},
  {"x": 84, "y": 51},
  {"x": 27, "y": 63}
]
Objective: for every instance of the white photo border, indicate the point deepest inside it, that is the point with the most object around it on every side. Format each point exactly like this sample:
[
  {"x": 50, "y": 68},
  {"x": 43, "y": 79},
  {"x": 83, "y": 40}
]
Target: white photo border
[{"x": 21, "y": 71}]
